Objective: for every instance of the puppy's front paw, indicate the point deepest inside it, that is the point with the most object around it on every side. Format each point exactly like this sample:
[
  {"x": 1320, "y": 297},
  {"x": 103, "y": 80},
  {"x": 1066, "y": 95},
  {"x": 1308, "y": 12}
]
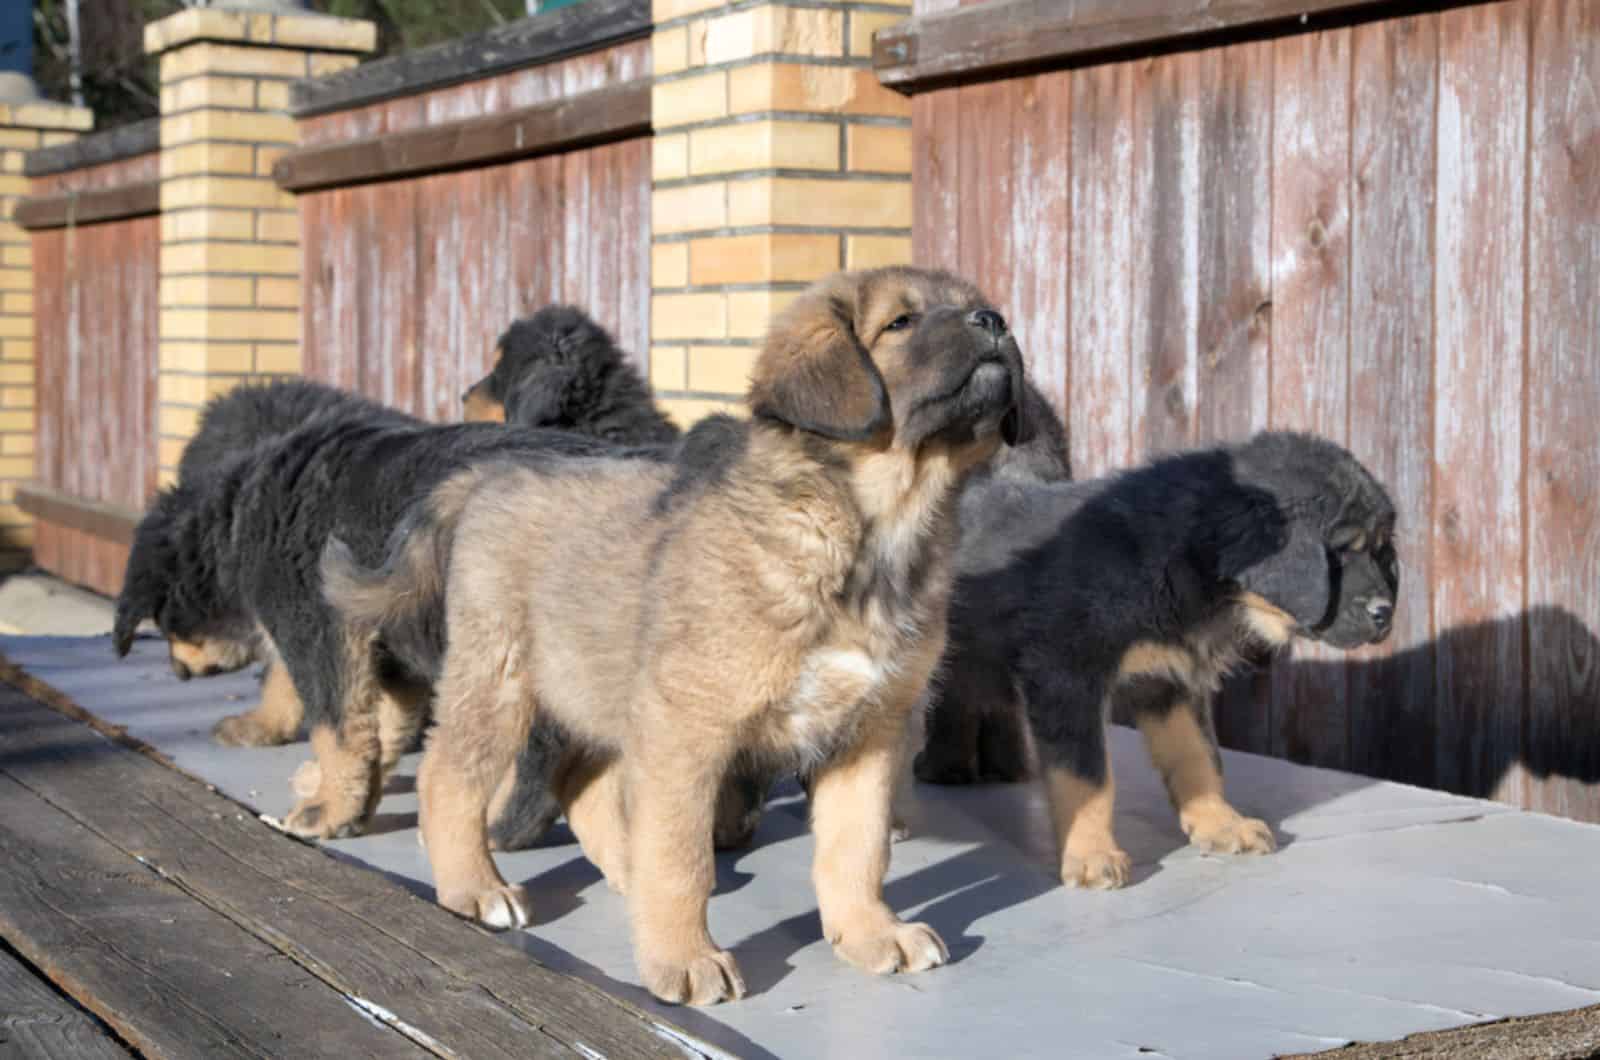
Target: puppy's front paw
[
  {"x": 895, "y": 947},
  {"x": 317, "y": 818},
  {"x": 1223, "y": 830},
  {"x": 243, "y": 730},
  {"x": 498, "y": 907},
  {"x": 1097, "y": 868},
  {"x": 705, "y": 979}
]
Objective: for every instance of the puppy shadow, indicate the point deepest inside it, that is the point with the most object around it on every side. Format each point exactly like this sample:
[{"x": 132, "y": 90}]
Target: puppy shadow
[
  {"x": 696, "y": 1021},
  {"x": 556, "y": 892},
  {"x": 385, "y": 823},
  {"x": 399, "y": 784}
]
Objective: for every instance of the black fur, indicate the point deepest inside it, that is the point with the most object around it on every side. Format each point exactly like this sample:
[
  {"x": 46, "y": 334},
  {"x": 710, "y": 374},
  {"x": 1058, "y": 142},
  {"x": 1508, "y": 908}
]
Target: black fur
[
  {"x": 1058, "y": 581},
  {"x": 236, "y": 421},
  {"x": 558, "y": 368}
]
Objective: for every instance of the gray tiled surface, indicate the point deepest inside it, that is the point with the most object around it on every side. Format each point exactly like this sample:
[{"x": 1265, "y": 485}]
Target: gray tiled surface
[{"x": 1390, "y": 909}]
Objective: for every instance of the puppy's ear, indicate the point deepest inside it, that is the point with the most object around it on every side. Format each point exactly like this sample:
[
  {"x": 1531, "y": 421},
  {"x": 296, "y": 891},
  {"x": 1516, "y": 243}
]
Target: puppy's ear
[
  {"x": 151, "y": 567},
  {"x": 815, "y": 375},
  {"x": 1294, "y": 576}
]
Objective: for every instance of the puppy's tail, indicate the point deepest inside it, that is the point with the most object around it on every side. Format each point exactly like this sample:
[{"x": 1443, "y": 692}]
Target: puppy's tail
[{"x": 402, "y": 602}]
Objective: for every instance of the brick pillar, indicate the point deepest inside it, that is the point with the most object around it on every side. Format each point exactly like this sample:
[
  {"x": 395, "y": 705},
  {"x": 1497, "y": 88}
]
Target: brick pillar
[
  {"x": 23, "y": 127},
  {"x": 778, "y": 158},
  {"x": 230, "y": 239}
]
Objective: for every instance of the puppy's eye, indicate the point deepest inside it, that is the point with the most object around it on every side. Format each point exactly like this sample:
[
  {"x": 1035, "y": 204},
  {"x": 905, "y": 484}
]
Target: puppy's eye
[{"x": 901, "y": 322}]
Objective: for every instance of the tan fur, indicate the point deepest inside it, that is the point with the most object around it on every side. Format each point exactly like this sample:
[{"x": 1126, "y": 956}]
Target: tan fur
[
  {"x": 589, "y": 788},
  {"x": 1187, "y": 763},
  {"x": 1270, "y": 623},
  {"x": 207, "y": 656},
  {"x": 1081, "y": 813},
  {"x": 757, "y": 615},
  {"x": 477, "y": 405},
  {"x": 377, "y": 725},
  {"x": 276, "y": 719},
  {"x": 1158, "y": 660},
  {"x": 1179, "y": 743}
]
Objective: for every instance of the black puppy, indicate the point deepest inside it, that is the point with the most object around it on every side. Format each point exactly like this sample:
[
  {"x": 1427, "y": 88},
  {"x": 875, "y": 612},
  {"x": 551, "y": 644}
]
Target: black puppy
[
  {"x": 1136, "y": 593},
  {"x": 558, "y": 368}
]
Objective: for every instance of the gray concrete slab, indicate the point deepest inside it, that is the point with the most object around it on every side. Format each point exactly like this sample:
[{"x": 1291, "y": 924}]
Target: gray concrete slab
[{"x": 1390, "y": 909}]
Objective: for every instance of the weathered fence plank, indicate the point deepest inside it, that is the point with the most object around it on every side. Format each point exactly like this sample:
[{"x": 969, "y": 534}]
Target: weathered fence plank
[
  {"x": 1479, "y": 357},
  {"x": 1563, "y": 454}
]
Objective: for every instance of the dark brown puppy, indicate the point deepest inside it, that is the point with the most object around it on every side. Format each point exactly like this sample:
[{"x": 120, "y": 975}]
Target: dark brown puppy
[{"x": 778, "y": 595}]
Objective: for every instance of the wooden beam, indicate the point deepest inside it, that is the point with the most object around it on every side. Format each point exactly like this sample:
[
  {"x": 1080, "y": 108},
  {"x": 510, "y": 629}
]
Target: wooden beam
[
  {"x": 39, "y": 1022},
  {"x": 109, "y": 522},
  {"x": 172, "y": 977},
  {"x": 448, "y": 982},
  {"x": 91, "y": 206},
  {"x": 1006, "y": 37},
  {"x": 544, "y": 38},
  {"x": 614, "y": 113}
]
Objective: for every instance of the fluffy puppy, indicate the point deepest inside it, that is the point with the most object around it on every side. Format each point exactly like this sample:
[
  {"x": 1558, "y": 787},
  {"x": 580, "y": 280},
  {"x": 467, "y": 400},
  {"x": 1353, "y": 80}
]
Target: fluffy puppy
[
  {"x": 778, "y": 595},
  {"x": 229, "y": 425},
  {"x": 1135, "y": 594},
  {"x": 238, "y": 551},
  {"x": 560, "y": 369}
]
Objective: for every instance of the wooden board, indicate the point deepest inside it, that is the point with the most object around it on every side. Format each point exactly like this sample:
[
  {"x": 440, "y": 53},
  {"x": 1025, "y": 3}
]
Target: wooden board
[
  {"x": 1100, "y": 268},
  {"x": 88, "y": 207},
  {"x": 612, "y": 113},
  {"x": 1006, "y": 37},
  {"x": 1394, "y": 69},
  {"x": 1311, "y": 332},
  {"x": 1479, "y": 358},
  {"x": 355, "y": 931},
  {"x": 171, "y": 976},
  {"x": 39, "y": 1022},
  {"x": 1165, "y": 244},
  {"x": 1562, "y": 543}
]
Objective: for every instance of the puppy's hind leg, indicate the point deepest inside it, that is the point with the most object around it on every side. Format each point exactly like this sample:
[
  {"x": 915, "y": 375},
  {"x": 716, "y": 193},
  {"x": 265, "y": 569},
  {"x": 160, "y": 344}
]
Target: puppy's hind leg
[
  {"x": 348, "y": 777},
  {"x": 1067, "y": 714},
  {"x": 1177, "y": 732},
  {"x": 483, "y": 710}
]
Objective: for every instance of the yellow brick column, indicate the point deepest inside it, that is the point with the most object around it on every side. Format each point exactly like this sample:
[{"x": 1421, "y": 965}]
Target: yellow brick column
[
  {"x": 23, "y": 127},
  {"x": 778, "y": 158},
  {"x": 230, "y": 239}
]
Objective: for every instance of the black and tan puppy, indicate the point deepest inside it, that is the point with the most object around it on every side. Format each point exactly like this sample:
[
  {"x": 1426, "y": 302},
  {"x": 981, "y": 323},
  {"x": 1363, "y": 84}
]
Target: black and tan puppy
[
  {"x": 1134, "y": 595},
  {"x": 778, "y": 594},
  {"x": 558, "y": 368},
  {"x": 240, "y": 549}
]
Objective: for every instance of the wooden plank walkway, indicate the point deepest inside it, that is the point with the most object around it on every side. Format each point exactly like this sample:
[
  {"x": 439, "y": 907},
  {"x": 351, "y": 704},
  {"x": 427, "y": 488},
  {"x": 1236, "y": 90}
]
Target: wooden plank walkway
[
  {"x": 193, "y": 929},
  {"x": 37, "y": 1021}
]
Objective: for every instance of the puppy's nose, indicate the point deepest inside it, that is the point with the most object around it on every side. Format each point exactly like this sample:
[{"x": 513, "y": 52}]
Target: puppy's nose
[
  {"x": 988, "y": 320},
  {"x": 1381, "y": 612}
]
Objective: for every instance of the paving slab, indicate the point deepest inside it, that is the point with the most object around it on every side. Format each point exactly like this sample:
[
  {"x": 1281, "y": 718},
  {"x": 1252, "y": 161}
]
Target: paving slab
[{"x": 1389, "y": 911}]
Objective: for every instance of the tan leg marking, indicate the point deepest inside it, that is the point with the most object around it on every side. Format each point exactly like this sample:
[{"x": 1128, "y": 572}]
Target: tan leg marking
[
  {"x": 276, "y": 720},
  {"x": 589, "y": 788},
  {"x": 1183, "y": 755},
  {"x": 402, "y": 708},
  {"x": 1081, "y": 811},
  {"x": 671, "y": 777},
  {"x": 851, "y": 816},
  {"x": 348, "y": 786}
]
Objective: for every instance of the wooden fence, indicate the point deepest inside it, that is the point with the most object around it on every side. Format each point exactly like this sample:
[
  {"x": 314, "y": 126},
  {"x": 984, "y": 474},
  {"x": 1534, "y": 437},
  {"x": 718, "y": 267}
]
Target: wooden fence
[
  {"x": 1385, "y": 229},
  {"x": 96, "y": 237},
  {"x": 433, "y": 212}
]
